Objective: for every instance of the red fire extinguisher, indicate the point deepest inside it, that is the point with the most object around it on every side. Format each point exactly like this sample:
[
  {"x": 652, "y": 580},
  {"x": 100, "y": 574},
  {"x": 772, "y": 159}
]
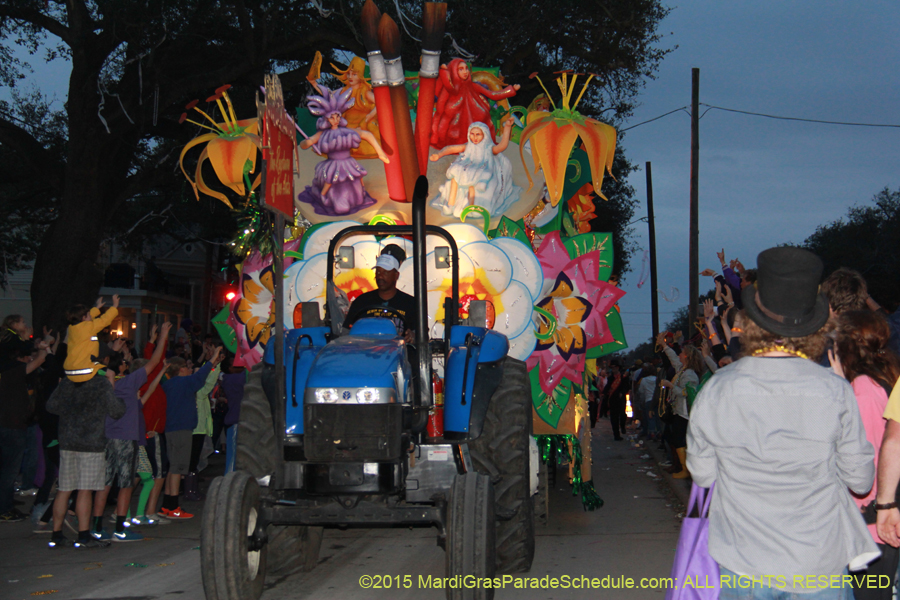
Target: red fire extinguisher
[{"x": 435, "y": 427}]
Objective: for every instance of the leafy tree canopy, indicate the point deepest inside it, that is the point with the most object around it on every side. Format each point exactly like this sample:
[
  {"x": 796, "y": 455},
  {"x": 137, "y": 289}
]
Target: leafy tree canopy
[{"x": 865, "y": 240}]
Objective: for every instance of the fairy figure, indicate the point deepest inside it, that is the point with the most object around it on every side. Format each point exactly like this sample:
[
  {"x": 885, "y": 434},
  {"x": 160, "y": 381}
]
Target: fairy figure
[
  {"x": 481, "y": 176},
  {"x": 461, "y": 102},
  {"x": 337, "y": 188}
]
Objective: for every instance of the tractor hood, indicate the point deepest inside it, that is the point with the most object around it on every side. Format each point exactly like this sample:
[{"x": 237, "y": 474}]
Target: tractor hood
[{"x": 355, "y": 361}]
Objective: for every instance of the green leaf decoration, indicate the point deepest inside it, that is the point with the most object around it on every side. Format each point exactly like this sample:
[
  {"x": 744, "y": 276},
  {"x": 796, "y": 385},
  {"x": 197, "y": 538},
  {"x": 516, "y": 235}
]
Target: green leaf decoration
[
  {"x": 512, "y": 229},
  {"x": 614, "y": 320},
  {"x": 588, "y": 242},
  {"x": 226, "y": 332},
  {"x": 578, "y": 172},
  {"x": 550, "y": 408}
]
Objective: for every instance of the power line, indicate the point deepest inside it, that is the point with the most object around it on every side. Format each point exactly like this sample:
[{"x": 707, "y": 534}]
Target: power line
[
  {"x": 756, "y": 114},
  {"x": 654, "y": 118}
]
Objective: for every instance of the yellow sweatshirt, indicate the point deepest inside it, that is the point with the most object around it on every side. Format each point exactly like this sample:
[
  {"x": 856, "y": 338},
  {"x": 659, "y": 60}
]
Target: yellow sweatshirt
[{"x": 83, "y": 344}]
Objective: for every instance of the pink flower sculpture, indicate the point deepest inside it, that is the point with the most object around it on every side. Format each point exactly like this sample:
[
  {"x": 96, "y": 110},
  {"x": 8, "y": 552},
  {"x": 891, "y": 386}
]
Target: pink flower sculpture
[{"x": 572, "y": 312}]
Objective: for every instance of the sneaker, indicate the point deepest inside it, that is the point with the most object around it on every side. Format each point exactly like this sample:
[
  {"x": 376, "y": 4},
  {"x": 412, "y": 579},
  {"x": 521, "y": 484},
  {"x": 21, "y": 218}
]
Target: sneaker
[
  {"x": 14, "y": 515},
  {"x": 127, "y": 536},
  {"x": 27, "y": 492},
  {"x": 148, "y": 521},
  {"x": 91, "y": 543},
  {"x": 112, "y": 519},
  {"x": 62, "y": 542},
  {"x": 40, "y": 527},
  {"x": 177, "y": 513},
  {"x": 101, "y": 535}
]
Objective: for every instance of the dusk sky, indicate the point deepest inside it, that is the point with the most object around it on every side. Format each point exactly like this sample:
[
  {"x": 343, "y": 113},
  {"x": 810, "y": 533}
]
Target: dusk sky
[{"x": 763, "y": 182}]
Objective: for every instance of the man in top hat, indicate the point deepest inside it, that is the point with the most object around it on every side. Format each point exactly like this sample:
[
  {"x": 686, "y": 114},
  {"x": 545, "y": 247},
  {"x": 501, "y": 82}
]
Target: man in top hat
[
  {"x": 387, "y": 299},
  {"x": 782, "y": 439}
]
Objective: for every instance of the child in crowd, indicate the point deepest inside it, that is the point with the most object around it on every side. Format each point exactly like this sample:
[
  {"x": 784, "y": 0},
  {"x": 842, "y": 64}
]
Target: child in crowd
[
  {"x": 81, "y": 363},
  {"x": 181, "y": 389},
  {"x": 124, "y": 435},
  {"x": 153, "y": 464}
]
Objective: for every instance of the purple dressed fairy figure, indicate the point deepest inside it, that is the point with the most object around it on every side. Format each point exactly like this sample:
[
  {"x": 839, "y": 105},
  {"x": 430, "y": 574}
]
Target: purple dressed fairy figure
[{"x": 337, "y": 188}]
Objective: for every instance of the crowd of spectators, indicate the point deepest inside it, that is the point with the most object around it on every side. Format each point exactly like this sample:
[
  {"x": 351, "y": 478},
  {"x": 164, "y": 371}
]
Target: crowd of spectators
[
  {"x": 786, "y": 398},
  {"x": 83, "y": 416}
]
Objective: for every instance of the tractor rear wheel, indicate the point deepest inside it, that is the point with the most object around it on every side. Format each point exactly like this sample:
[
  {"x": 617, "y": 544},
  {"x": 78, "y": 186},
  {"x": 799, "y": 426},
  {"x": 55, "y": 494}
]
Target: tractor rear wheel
[
  {"x": 208, "y": 543},
  {"x": 502, "y": 451},
  {"x": 471, "y": 545},
  {"x": 290, "y": 546}
]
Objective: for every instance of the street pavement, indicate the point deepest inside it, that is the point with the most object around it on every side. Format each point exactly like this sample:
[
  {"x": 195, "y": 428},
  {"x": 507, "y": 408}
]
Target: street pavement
[{"x": 632, "y": 536}]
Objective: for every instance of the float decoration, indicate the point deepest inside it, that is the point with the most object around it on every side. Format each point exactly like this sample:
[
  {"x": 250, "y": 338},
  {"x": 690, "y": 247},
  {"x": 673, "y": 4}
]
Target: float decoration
[
  {"x": 577, "y": 301},
  {"x": 553, "y": 135},
  {"x": 229, "y": 147}
]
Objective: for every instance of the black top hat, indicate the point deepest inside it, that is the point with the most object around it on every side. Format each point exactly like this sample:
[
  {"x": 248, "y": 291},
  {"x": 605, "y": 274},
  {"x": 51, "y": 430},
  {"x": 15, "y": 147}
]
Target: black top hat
[
  {"x": 785, "y": 299},
  {"x": 395, "y": 251}
]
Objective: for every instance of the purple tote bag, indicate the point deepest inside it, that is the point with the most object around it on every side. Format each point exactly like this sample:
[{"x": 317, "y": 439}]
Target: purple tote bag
[{"x": 695, "y": 573}]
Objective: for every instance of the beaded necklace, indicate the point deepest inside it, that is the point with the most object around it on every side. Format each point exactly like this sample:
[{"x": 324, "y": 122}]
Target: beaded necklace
[{"x": 780, "y": 348}]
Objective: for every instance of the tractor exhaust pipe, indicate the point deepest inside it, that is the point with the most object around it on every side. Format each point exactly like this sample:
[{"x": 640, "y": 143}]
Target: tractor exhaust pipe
[{"x": 420, "y": 274}]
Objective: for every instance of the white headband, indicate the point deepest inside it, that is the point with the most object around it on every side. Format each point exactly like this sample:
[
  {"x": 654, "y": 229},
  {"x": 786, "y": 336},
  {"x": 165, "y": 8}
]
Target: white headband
[{"x": 387, "y": 262}]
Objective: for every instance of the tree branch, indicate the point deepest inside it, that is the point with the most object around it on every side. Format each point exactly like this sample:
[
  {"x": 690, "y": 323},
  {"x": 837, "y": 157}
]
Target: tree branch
[{"x": 38, "y": 19}]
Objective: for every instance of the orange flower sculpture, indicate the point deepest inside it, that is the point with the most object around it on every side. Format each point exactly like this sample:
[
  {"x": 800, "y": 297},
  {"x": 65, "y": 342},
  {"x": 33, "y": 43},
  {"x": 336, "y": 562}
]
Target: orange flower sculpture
[
  {"x": 230, "y": 148},
  {"x": 553, "y": 135}
]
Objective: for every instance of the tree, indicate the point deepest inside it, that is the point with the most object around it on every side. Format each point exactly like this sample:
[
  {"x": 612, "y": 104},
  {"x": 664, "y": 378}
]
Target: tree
[
  {"x": 134, "y": 65},
  {"x": 865, "y": 240}
]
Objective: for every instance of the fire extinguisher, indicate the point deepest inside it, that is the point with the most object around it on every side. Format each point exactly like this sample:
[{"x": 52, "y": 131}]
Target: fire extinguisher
[{"x": 435, "y": 427}]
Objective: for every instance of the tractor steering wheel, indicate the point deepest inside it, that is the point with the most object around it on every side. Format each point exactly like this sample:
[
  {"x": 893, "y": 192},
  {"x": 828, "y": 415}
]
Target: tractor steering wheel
[{"x": 383, "y": 312}]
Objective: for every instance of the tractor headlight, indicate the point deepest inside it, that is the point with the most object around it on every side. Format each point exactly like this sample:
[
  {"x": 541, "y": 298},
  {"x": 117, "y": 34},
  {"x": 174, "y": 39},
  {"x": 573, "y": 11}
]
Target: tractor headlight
[
  {"x": 327, "y": 395},
  {"x": 368, "y": 396}
]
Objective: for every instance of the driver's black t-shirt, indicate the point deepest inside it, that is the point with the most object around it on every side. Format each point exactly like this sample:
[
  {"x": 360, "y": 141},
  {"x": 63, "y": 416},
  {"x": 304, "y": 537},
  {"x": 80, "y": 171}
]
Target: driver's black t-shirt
[{"x": 370, "y": 305}]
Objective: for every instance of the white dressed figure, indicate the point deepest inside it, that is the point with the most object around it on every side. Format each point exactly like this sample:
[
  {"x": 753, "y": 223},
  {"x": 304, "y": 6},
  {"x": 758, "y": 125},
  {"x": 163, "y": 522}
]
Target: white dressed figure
[{"x": 481, "y": 176}]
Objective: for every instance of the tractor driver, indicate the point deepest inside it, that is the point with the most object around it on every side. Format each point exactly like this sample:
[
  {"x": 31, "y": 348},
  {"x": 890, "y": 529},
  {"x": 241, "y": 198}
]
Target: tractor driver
[{"x": 372, "y": 304}]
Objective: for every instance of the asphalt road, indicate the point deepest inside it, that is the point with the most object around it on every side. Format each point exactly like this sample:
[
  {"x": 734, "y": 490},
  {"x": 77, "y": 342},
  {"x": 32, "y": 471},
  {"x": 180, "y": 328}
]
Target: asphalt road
[{"x": 632, "y": 536}]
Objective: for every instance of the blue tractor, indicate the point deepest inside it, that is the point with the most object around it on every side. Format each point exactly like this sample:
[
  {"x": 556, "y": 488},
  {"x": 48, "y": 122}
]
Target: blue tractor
[{"x": 345, "y": 444}]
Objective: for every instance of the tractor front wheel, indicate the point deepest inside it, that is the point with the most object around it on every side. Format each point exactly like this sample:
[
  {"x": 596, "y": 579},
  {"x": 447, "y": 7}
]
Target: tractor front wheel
[{"x": 471, "y": 543}]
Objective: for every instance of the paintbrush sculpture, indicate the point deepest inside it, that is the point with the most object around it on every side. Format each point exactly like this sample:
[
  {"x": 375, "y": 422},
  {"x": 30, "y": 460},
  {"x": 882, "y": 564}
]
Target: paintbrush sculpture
[
  {"x": 394, "y": 169},
  {"x": 434, "y": 18},
  {"x": 389, "y": 41}
]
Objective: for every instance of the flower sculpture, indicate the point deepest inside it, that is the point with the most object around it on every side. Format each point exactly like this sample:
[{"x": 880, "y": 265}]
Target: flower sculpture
[
  {"x": 252, "y": 316},
  {"x": 581, "y": 207},
  {"x": 251, "y": 313},
  {"x": 230, "y": 148},
  {"x": 504, "y": 272},
  {"x": 573, "y": 306},
  {"x": 553, "y": 135}
]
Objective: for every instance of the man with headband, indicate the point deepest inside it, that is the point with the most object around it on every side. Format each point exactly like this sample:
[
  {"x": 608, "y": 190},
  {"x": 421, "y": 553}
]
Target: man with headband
[{"x": 372, "y": 304}]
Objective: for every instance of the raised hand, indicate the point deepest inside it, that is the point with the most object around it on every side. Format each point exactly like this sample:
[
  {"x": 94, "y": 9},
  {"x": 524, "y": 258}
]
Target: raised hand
[
  {"x": 115, "y": 301},
  {"x": 728, "y": 297},
  {"x": 99, "y": 303},
  {"x": 721, "y": 256},
  {"x": 709, "y": 311},
  {"x": 708, "y": 273},
  {"x": 166, "y": 328}
]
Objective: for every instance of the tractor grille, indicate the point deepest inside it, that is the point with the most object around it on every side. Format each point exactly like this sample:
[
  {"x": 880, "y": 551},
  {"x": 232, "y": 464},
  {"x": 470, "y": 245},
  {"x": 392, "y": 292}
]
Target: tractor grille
[{"x": 348, "y": 433}]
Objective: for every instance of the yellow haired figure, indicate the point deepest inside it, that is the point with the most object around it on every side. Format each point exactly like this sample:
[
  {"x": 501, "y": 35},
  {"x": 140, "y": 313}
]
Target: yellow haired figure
[{"x": 362, "y": 114}]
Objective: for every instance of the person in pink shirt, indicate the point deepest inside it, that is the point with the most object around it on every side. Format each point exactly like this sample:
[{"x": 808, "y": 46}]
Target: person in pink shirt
[{"x": 864, "y": 359}]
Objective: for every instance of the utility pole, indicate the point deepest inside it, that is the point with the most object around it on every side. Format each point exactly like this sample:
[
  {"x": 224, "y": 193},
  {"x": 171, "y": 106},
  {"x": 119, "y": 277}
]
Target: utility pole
[
  {"x": 654, "y": 297},
  {"x": 694, "y": 295}
]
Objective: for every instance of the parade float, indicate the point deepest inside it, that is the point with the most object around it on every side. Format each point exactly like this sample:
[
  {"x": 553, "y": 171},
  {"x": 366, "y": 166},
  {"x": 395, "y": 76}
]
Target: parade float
[{"x": 515, "y": 185}]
